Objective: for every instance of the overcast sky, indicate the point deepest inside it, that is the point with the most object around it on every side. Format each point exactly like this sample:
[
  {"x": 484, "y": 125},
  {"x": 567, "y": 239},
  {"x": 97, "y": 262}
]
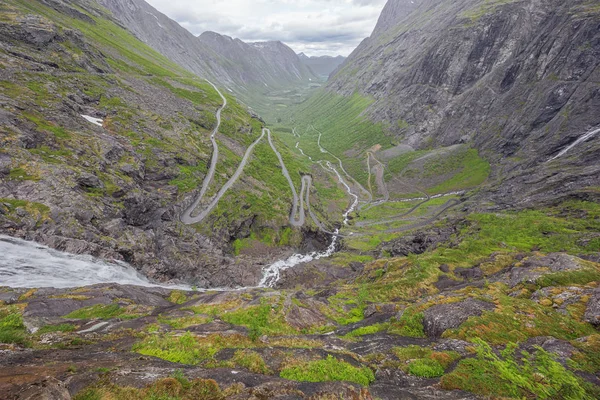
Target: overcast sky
[{"x": 316, "y": 27}]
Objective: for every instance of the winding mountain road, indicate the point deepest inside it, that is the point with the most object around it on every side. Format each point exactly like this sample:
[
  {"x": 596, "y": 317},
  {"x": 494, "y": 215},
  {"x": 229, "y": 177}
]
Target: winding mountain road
[
  {"x": 379, "y": 180},
  {"x": 297, "y": 216},
  {"x": 325, "y": 151},
  {"x": 186, "y": 216}
]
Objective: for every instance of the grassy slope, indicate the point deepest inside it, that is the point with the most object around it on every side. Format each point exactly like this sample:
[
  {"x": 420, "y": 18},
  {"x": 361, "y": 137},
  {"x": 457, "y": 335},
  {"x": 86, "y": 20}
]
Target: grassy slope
[{"x": 491, "y": 241}]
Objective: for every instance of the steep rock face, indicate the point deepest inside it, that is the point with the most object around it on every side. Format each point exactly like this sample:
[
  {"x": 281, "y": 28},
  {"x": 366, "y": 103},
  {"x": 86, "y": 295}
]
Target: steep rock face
[
  {"x": 163, "y": 34},
  {"x": 516, "y": 79},
  {"x": 322, "y": 66},
  {"x": 271, "y": 63},
  {"x": 229, "y": 61}
]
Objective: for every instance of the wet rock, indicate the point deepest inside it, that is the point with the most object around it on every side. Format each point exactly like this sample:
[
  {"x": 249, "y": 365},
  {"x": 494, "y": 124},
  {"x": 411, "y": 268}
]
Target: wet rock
[
  {"x": 445, "y": 282},
  {"x": 375, "y": 318},
  {"x": 592, "y": 312},
  {"x": 407, "y": 387},
  {"x": 304, "y": 318},
  {"x": 357, "y": 266},
  {"x": 9, "y": 297},
  {"x": 132, "y": 171},
  {"x": 445, "y": 268},
  {"x": 383, "y": 342},
  {"x": 60, "y": 307},
  {"x": 48, "y": 389},
  {"x": 439, "y": 318}
]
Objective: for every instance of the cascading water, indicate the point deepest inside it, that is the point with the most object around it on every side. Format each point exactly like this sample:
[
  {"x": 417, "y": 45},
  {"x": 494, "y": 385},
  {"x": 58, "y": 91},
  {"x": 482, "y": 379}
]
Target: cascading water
[
  {"x": 31, "y": 265},
  {"x": 272, "y": 273}
]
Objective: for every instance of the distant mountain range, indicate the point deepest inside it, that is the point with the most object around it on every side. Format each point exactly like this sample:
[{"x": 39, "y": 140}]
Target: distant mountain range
[
  {"x": 323, "y": 65},
  {"x": 231, "y": 62}
]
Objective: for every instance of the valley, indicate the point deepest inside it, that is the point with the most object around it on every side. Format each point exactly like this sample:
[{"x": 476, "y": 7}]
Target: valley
[{"x": 225, "y": 222}]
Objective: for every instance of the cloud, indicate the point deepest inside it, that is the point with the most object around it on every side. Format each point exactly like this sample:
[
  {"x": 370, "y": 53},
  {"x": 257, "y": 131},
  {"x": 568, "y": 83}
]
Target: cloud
[{"x": 316, "y": 27}]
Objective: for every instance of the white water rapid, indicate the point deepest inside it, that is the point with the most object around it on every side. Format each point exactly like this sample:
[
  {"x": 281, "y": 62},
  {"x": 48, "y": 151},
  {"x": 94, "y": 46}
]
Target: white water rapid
[
  {"x": 272, "y": 273},
  {"x": 26, "y": 264}
]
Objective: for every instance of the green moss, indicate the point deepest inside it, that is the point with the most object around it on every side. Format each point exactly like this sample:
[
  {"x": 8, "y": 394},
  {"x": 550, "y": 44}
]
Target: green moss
[
  {"x": 516, "y": 320},
  {"x": 177, "y": 297},
  {"x": 111, "y": 103},
  {"x": 507, "y": 375},
  {"x": 410, "y": 324},
  {"x": 252, "y": 361},
  {"x": 52, "y": 156},
  {"x": 189, "y": 178},
  {"x": 184, "y": 349},
  {"x": 425, "y": 368},
  {"x": 12, "y": 329},
  {"x": 47, "y": 126},
  {"x": 102, "y": 311},
  {"x": 21, "y": 174},
  {"x": 173, "y": 388},
  {"x": 368, "y": 330},
  {"x": 580, "y": 277},
  {"x": 265, "y": 319},
  {"x": 56, "y": 328},
  {"x": 329, "y": 369}
]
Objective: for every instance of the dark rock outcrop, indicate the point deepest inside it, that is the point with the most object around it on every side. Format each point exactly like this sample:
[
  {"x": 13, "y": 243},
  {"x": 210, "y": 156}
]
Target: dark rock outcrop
[
  {"x": 439, "y": 318},
  {"x": 592, "y": 312}
]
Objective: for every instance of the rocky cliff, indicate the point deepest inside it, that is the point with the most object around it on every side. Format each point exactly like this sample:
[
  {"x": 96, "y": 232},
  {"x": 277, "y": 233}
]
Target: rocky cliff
[{"x": 518, "y": 80}]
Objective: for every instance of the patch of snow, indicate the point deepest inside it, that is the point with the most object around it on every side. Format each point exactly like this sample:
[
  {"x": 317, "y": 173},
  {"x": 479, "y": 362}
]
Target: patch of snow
[
  {"x": 95, "y": 121},
  {"x": 155, "y": 18}
]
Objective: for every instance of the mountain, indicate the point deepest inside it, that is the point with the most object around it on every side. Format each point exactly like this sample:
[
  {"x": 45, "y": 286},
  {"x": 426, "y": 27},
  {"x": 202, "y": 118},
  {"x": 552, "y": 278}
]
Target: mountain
[
  {"x": 425, "y": 226},
  {"x": 234, "y": 64},
  {"x": 105, "y": 141},
  {"x": 515, "y": 80},
  {"x": 323, "y": 65}
]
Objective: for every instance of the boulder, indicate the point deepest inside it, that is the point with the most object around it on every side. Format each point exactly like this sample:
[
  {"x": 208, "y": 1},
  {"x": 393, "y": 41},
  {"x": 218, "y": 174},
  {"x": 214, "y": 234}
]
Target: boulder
[
  {"x": 592, "y": 312},
  {"x": 469, "y": 273},
  {"x": 533, "y": 268},
  {"x": 441, "y": 317},
  {"x": 89, "y": 181}
]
